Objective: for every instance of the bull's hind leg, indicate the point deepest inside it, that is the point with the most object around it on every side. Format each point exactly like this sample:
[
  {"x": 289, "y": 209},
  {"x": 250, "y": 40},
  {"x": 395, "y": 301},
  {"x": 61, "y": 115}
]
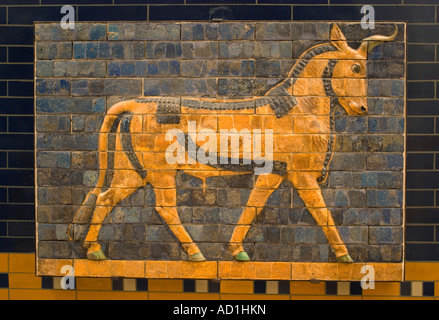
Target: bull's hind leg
[
  {"x": 166, "y": 205},
  {"x": 105, "y": 203},
  {"x": 311, "y": 194},
  {"x": 264, "y": 187}
]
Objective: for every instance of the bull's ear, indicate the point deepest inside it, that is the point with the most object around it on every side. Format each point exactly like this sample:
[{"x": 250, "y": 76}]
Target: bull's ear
[{"x": 338, "y": 39}]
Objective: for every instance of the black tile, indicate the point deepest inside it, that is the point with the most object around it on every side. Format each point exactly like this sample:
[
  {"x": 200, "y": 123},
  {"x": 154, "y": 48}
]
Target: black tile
[
  {"x": 142, "y": 284},
  {"x": 420, "y": 198},
  {"x": 113, "y": 13},
  {"x": 73, "y": 2},
  {"x": 16, "y": 71},
  {"x": 16, "y": 35},
  {"x": 423, "y": 107},
  {"x": 3, "y": 54},
  {"x": 356, "y": 289},
  {"x": 27, "y": 15},
  {"x": 366, "y": 2},
  {"x": 17, "y": 106},
  {"x": 188, "y": 285},
  {"x": 437, "y": 234},
  {"x": 284, "y": 287},
  {"x": 331, "y": 287},
  {"x": 233, "y": 12},
  {"x": 149, "y": 2},
  {"x": 117, "y": 284},
  {"x": 218, "y": 1},
  {"x": 21, "y": 229},
  {"x": 327, "y": 13},
  {"x": 21, "y": 124},
  {"x": 3, "y": 124},
  {"x": 20, "y": 2},
  {"x": 420, "y": 124},
  {"x": 419, "y": 161},
  {"x": 294, "y": 1},
  {"x": 419, "y": 233},
  {"x": 3, "y": 15},
  {"x": 17, "y": 177},
  {"x": 16, "y": 141},
  {"x": 420, "y": 90},
  {"x": 21, "y": 54},
  {"x": 213, "y": 286},
  {"x": 3, "y": 196},
  {"x": 422, "y": 215},
  {"x": 422, "y": 33},
  {"x": 406, "y": 289},
  {"x": 422, "y": 180},
  {"x": 423, "y": 71},
  {"x": 260, "y": 286},
  {"x": 3, "y": 88},
  {"x": 3, "y": 229},
  {"x": 21, "y": 195},
  {"x": 4, "y": 280},
  {"x": 422, "y": 252},
  {"x": 47, "y": 282},
  {"x": 422, "y": 143},
  {"x": 19, "y": 159},
  {"x": 421, "y": 1},
  {"x": 418, "y": 52},
  {"x": 428, "y": 289},
  {"x": 3, "y": 159},
  {"x": 23, "y": 245},
  {"x": 17, "y": 211},
  {"x": 20, "y": 89}
]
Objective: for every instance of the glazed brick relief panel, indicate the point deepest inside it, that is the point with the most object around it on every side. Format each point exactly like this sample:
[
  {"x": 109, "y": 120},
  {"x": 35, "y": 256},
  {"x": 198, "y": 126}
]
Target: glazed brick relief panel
[{"x": 247, "y": 150}]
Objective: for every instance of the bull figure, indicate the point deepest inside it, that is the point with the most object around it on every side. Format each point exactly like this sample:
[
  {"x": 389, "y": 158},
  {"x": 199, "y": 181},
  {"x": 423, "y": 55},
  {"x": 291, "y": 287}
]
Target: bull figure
[{"x": 299, "y": 110}]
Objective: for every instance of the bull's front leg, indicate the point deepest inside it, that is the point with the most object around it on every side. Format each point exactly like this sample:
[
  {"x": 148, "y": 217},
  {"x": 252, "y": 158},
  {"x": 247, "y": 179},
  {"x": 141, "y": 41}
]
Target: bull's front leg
[
  {"x": 309, "y": 190},
  {"x": 264, "y": 187}
]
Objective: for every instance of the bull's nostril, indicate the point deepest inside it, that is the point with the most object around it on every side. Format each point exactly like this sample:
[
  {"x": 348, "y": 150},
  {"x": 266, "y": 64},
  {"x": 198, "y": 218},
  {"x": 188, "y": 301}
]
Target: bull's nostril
[{"x": 363, "y": 108}]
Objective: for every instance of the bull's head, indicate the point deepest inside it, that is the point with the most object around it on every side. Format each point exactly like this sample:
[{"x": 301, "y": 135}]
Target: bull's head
[{"x": 349, "y": 75}]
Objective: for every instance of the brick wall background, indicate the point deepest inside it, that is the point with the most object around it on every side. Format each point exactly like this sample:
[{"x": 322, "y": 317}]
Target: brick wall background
[{"x": 16, "y": 108}]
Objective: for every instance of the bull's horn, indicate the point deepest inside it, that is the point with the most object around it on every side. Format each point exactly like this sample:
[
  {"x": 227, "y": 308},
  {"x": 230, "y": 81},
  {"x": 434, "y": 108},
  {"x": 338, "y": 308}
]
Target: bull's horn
[{"x": 370, "y": 43}]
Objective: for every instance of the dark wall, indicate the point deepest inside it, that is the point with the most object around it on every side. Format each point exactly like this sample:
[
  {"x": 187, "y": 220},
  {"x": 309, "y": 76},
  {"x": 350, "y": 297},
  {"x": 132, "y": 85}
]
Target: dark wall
[{"x": 17, "y": 103}]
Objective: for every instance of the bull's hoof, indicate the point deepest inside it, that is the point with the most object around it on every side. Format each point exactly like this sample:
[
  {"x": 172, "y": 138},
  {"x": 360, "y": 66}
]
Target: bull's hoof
[
  {"x": 242, "y": 256},
  {"x": 96, "y": 255},
  {"x": 197, "y": 257},
  {"x": 345, "y": 259}
]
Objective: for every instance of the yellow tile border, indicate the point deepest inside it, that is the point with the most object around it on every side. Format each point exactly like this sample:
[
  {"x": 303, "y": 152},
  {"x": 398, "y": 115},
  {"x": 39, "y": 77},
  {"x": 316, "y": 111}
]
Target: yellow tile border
[{"x": 220, "y": 270}]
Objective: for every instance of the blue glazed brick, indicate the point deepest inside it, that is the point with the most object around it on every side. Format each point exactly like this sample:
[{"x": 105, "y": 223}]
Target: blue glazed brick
[
  {"x": 46, "y": 87},
  {"x": 143, "y": 31},
  {"x": 199, "y": 31},
  {"x": 69, "y": 105},
  {"x": 122, "y": 87},
  {"x": 381, "y": 180},
  {"x": 386, "y": 124},
  {"x": 385, "y": 162},
  {"x": 385, "y": 235},
  {"x": 160, "y": 50},
  {"x": 351, "y": 124},
  {"x": 150, "y": 68},
  {"x": 354, "y": 234},
  {"x": 44, "y": 69},
  {"x": 49, "y": 123},
  {"x": 202, "y": 49},
  {"x": 348, "y": 161},
  {"x": 76, "y": 69},
  {"x": 236, "y": 31},
  {"x": 53, "y": 160},
  {"x": 386, "y": 88},
  {"x": 57, "y": 50},
  {"x": 384, "y": 198}
]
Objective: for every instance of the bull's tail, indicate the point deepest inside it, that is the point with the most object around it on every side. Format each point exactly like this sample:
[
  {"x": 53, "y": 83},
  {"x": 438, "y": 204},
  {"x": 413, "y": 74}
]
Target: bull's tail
[{"x": 106, "y": 163}]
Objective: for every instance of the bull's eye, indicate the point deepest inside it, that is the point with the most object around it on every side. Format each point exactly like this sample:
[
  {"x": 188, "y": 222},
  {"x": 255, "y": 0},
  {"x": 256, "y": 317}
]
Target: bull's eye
[{"x": 356, "y": 68}]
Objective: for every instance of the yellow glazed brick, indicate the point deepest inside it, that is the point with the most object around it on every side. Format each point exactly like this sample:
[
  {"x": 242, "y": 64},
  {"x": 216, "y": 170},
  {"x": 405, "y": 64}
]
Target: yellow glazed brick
[
  {"x": 29, "y": 294},
  {"x": 421, "y": 271},
  {"x": 238, "y": 286},
  {"x": 306, "y": 287},
  {"x": 19, "y": 262},
  {"x": 93, "y": 284},
  {"x": 436, "y": 289},
  {"x": 183, "y": 296},
  {"x": 159, "y": 285},
  {"x": 254, "y": 297},
  {"x": 383, "y": 289},
  {"x": 397, "y": 298},
  {"x": 24, "y": 280},
  {"x": 111, "y": 295},
  {"x": 326, "y": 297},
  {"x": 4, "y": 294}
]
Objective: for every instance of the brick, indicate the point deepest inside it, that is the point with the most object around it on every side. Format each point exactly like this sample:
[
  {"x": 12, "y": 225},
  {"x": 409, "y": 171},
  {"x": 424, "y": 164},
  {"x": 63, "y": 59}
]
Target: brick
[
  {"x": 105, "y": 87},
  {"x": 386, "y": 88},
  {"x": 49, "y": 51},
  {"x": 108, "y": 50},
  {"x": 384, "y": 198},
  {"x": 203, "y": 50},
  {"x": 150, "y": 68},
  {"x": 381, "y": 235},
  {"x": 385, "y": 162},
  {"x": 82, "y": 31},
  {"x": 143, "y": 31},
  {"x": 160, "y": 50},
  {"x": 77, "y": 69},
  {"x": 153, "y": 87},
  {"x": 49, "y": 87},
  {"x": 69, "y": 105}
]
